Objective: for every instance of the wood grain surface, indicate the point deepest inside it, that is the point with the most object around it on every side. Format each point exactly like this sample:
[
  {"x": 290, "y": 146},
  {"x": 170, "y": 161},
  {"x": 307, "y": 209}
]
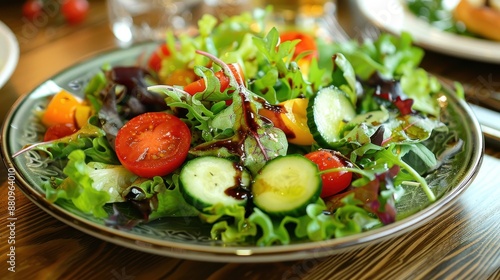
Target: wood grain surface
[{"x": 463, "y": 242}]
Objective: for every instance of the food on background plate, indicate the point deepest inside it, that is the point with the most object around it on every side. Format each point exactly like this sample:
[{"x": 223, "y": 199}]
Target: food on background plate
[
  {"x": 474, "y": 18},
  {"x": 480, "y": 16},
  {"x": 270, "y": 138}
]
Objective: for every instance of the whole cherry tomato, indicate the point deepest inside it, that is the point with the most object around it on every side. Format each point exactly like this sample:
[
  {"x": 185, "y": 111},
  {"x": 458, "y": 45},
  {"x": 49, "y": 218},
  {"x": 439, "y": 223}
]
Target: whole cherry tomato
[
  {"x": 74, "y": 11},
  {"x": 333, "y": 182},
  {"x": 32, "y": 8}
]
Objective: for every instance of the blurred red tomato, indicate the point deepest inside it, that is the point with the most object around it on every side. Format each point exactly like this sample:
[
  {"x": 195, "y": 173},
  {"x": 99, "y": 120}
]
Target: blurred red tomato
[
  {"x": 74, "y": 11},
  {"x": 32, "y": 8}
]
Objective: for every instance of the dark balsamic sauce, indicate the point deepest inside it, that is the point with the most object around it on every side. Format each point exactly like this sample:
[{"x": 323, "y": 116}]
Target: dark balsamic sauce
[{"x": 239, "y": 190}]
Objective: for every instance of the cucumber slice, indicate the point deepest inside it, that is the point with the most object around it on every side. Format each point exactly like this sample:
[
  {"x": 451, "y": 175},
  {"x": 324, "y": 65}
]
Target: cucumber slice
[
  {"x": 327, "y": 113},
  {"x": 286, "y": 185},
  {"x": 207, "y": 181}
]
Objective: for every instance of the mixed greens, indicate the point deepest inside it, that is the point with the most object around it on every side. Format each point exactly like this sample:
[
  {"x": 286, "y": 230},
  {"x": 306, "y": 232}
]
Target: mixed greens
[{"x": 247, "y": 170}]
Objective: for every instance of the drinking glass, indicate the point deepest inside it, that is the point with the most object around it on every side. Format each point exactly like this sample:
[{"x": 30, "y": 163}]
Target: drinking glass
[{"x": 139, "y": 20}]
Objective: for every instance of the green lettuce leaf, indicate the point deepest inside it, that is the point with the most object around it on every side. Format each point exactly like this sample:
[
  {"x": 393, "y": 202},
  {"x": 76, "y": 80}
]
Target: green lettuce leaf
[
  {"x": 343, "y": 76},
  {"x": 113, "y": 179},
  {"x": 79, "y": 186},
  {"x": 315, "y": 225},
  {"x": 163, "y": 198},
  {"x": 269, "y": 143},
  {"x": 409, "y": 129},
  {"x": 93, "y": 88},
  {"x": 352, "y": 218},
  {"x": 90, "y": 185},
  {"x": 238, "y": 230},
  {"x": 422, "y": 88},
  {"x": 393, "y": 155},
  {"x": 62, "y": 147},
  {"x": 101, "y": 151},
  {"x": 388, "y": 55},
  {"x": 279, "y": 78},
  {"x": 229, "y": 36}
]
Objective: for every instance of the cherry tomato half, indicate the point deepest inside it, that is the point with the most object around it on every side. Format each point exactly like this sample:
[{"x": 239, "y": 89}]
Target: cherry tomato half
[
  {"x": 153, "y": 144},
  {"x": 59, "y": 130},
  {"x": 306, "y": 43},
  {"x": 74, "y": 11},
  {"x": 333, "y": 182}
]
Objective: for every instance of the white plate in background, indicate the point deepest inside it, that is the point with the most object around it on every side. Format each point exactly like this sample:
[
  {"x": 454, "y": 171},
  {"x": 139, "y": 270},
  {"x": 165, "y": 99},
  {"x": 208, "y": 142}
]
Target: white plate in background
[
  {"x": 9, "y": 53},
  {"x": 394, "y": 17}
]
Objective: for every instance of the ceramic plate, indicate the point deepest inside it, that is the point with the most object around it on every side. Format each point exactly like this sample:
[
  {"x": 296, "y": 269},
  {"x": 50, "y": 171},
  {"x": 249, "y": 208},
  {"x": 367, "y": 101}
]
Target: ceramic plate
[
  {"x": 393, "y": 16},
  {"x": 188, "y": 238},
  {"x": 9, "y": 53}
]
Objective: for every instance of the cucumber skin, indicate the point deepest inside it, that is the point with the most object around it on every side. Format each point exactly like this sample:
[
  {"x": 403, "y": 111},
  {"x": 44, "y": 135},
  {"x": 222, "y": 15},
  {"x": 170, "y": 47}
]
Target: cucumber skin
[
  {"x": 300, "y": 209},
  {"x": 317, "y": 133},
  {"x": 194, "y": 199}
]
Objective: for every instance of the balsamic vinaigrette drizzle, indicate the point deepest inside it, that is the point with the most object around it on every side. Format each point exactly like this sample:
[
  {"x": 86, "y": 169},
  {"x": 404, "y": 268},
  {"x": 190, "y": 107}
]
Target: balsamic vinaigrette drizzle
[
  {"x": 387, "y": 89},
  {"x": 235, "y": 145},
  {"x": 238, "y": 191},
  {"x": 248, "y": 127}
]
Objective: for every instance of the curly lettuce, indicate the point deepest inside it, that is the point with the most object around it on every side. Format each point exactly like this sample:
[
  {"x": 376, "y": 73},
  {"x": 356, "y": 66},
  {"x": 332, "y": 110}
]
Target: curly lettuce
[
  {"x": 316, "y": 225},
  {"x": 90, "y": 185}
]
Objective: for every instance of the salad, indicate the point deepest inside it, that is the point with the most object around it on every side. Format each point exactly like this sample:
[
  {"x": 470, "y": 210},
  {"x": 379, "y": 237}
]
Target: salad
[{"x": 270, "y": 136}]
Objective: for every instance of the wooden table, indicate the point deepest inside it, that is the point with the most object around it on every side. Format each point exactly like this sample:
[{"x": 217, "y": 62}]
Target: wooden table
[{"x": 461, "y": 243}]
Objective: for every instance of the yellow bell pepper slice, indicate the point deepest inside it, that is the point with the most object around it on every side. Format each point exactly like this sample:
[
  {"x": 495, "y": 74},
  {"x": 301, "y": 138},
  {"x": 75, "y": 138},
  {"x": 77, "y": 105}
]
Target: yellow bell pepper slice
[
  {"x": 82, "y": 114},
  {"x": 291, "y": 117}
]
